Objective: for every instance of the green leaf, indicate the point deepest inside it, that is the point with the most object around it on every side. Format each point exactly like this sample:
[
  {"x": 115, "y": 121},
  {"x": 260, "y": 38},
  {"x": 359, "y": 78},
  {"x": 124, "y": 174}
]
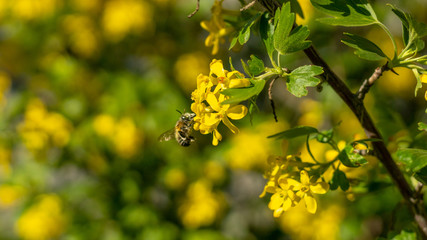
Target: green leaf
[
  {"x": 339, "y": 179},
  {"x": 287, "y": 41},
  {"x": 422, "y": 126},
  {"x": 405, "y": 236},
  {"x": 256, "y": 65},
  {"x": 238, "y": 95},
  {"x": 303, "y": 77},
  {"x": 414, "y": 159},
  {"x": 421, "y": 175},
  {"x": 410, "y": 22},
  {"x": 294, "y": 132},
  {"x": 266, "y": 29},
  {"x": 346, "y": 13},
  {"x": 233, "y": 41},
  {"x": 365, "y": 49},
  {"x": 351, "y": 159},
  {"x": 245, "y": 67},
  {"x": 244, "y": 33}
]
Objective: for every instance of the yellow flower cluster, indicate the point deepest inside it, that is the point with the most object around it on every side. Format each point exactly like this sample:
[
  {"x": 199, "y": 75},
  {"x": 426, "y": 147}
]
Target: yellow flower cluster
[
  {"x": 10, "y": 195},
  {"x": 41, "y": 128},
  {"x": 82, "y": 34},
  {"x": 125, "y": 136},
  {"x": 287, "y": 191},
  {"x": 30, "y": 9},
  {"x": 126, "y": 16},
  {"x": 43, "y": 220},
  {"x": 207, "y": 100},
  {"x": 216, "y": 27},
  {"x": 201, "y": 207}
]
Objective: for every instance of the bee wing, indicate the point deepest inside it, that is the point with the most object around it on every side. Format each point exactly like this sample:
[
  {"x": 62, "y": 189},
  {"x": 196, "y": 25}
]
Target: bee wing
[{"x": 168, "y": 135}]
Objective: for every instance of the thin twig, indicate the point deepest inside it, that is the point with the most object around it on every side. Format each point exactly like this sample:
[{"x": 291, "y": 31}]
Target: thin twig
[
  {"x": 248, "y": 6},
  {"x": 270, "y": 96},
  {"x": 366, "y": 85},
  {"x": 196, "y": 10}
]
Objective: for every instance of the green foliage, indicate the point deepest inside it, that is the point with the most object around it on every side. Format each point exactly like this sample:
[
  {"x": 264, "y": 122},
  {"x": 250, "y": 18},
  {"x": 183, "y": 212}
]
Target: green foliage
[
  {"x": 255, "y": 65},
  {"x": 346, "y": 13},
  {"x": 241, "y": 94},
  {"x": 365, "y": 49},
  {"x": 339, "y": 179},
  {"x": 349, "y": 158},
  {"x": 413, "y": 159},
  {"x": 266, "y": 29},
  {"x": 243, "y": 35},
  {"x": 284, "y": 40},
  {"x": 301, "y": 78}
]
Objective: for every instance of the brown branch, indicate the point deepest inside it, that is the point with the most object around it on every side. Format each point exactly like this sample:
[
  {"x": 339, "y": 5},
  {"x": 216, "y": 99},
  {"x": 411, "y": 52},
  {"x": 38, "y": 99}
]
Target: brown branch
[
  {"x": 248, "y": 6},
  {"x": 196, "y": 10},
  {"x": 366, "y": 85},
  {"x": 380, "y": 150}
]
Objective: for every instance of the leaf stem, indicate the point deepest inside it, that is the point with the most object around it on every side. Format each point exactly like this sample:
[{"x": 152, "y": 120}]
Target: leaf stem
[{"x": 390, "y": 36}]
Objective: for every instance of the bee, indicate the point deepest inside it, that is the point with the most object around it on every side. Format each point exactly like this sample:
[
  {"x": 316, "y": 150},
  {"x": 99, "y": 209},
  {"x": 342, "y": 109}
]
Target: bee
[{"x": 182, "y": 130}]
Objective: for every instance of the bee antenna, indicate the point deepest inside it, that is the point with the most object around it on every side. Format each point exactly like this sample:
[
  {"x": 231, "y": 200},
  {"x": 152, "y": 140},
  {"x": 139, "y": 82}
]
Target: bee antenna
[{"x": 179, "y": 111}]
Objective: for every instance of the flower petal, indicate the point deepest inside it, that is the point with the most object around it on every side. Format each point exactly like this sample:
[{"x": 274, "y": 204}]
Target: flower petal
[
  {"x": 211, "y": 119},
  {"x": 276, "y": 201},
  {"x": 294, "y": 183},
  {"x": 319, "y": 188},
  {"x": 310, "y": 203},
  {"x": 287, "y": 204},
  {"x": 217, "y": 68},
  {"x": 237, "y": 112},
  {"x": 213, "y": 102},
  {"x": 216, "y": 137},
  {"x": 305, "y": 179},
  {"x": 227, "y": 123},
  {"x": 278, "y": 212}
]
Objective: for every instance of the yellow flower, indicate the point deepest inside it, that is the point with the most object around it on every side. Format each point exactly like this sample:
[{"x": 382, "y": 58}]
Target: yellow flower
[
  {"x": 43, "y": 220},
  {"x": 209, "y": 116},
  {"x": 10, "y": 195},
  {"x": 305, "y": 190},
  {"x": 125, "y": 16},
  {"x": 283, "y": 197},
  {"x": 41, "y": 128},
  {"x": 201, "y": 207},
  {"x": 216, "y": 27},
  {"x": 30, "y": 9},
  {"x": 188, "y": 67}
]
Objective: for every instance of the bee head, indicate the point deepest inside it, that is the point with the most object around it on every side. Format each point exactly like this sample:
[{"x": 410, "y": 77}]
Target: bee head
[{"x": 188, "y": 116}]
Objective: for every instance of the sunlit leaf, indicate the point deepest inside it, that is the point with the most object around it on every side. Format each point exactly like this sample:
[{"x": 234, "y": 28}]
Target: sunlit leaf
[
  {"x": 255, "y": 65},
  {"x": 365, "y": 49},
  {"x": 303, "y": 77},
  {"x": 413, "y": 158},
  {"x": 241, "y": 94},
  {"x": 346, "y": 13}
]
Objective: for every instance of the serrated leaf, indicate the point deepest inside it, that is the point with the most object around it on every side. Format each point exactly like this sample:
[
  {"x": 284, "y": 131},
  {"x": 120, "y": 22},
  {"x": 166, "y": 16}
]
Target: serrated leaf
[
  {"x": 287, "y": 41},
  {"x": 284, "y": 20},
  {"x": 365, "y": 49},
  {"x": 303, "y": 77},
  {"x": 414, "y": 159},
  {"x": 346, "y": 13},
  {"x": 339, "y": 179},
  {"x": 266, "y": 32},
  {"x": 351, "y": 159},
  {"x": 238, "y": 95},
  {"x": 255, "y": 65},
  {"x": 294, "y": 132}
]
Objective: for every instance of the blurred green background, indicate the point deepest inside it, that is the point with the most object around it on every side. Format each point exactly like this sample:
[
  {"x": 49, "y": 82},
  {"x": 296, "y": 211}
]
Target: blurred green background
[{"x": 86, "y": 88}]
